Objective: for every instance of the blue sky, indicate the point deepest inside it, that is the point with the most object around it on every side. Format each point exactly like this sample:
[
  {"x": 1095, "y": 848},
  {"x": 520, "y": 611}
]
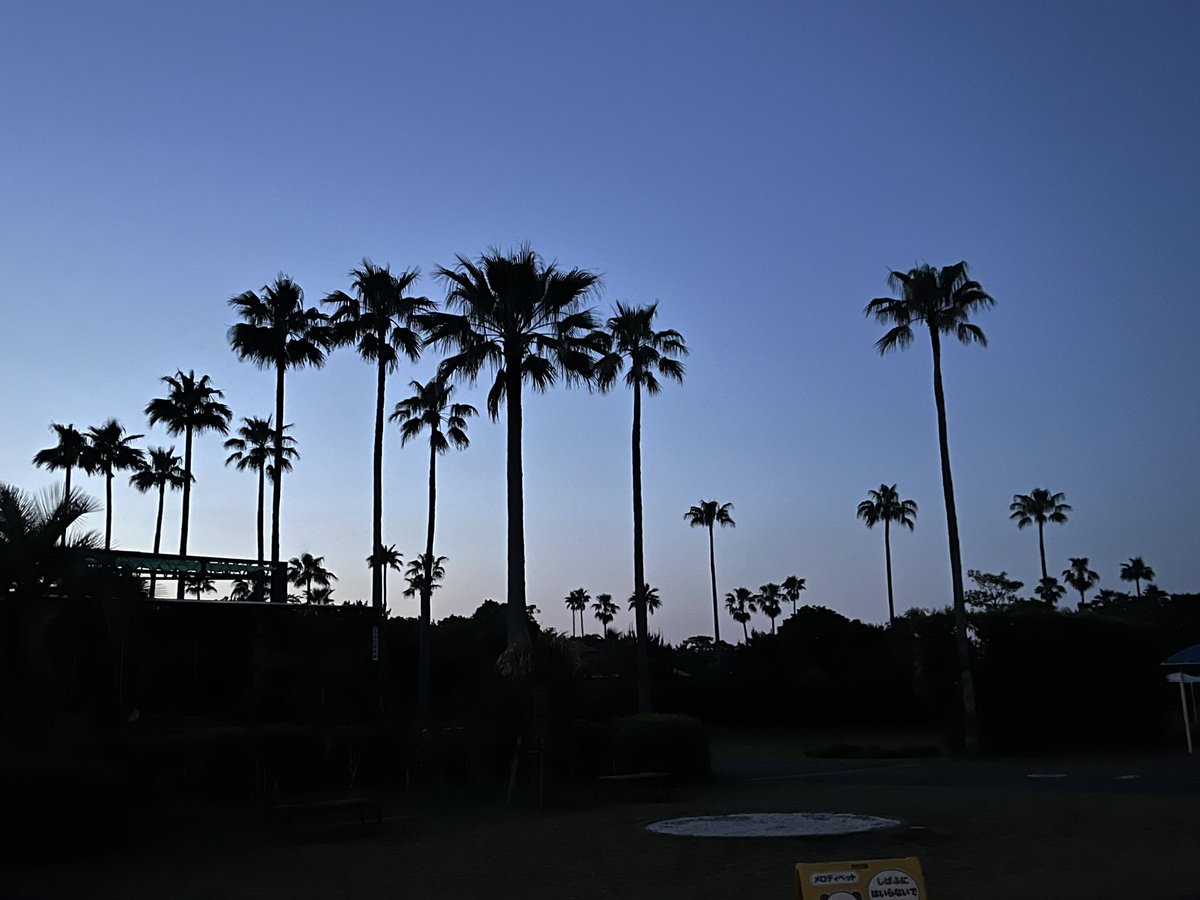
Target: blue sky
[{"x": 757, "y": 168}]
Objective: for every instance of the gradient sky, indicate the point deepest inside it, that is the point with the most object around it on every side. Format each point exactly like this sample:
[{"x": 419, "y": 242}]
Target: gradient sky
[{"x": 756, "y": 167}]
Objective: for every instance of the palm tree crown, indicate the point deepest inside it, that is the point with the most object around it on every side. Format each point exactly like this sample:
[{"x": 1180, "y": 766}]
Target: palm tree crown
[
  {"x": 387, "y": 558},
  {"x": 577, "y": 602},
  {"x": 306, "y": 570},
  {"x": 884, "y": 505},
  {"x": 111, "y": 450},
  {"x": 741, "y": 603},
  {"x": 1136, "y": 571},
  {"x": 253, "y": 448},
  {"x": 605, "y": 610},
  {"x": 1038, "y": 507},
  {"x": 792, "y": 586},
  {"x": 429, "y": 408},
  {"x": 1079, "y": 576},
  {"x": 67, "y": 454},
  {"x": 770, "y": 601}
]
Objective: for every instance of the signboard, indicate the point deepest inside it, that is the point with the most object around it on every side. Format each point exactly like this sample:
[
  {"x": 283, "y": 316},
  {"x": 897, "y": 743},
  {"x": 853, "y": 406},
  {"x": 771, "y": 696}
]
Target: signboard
[
  {"x": 871, "y": 879},
  {"x": 374, "y": 643}
]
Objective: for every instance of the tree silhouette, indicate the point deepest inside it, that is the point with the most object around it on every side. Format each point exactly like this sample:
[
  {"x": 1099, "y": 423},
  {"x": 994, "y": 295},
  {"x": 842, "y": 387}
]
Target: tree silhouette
[
  {"x": 792, "y": 586},
  {"x": 424, "y": 574},
  {"x": 34, "y": 552},
  {"x": 429, "y": 409},
  {"x": 884, "y": 505},
  {"x": 388, "y": 558},
  {"x": 196, "y": 583},
  {"x": 68, "y": 454},
  {"x": 1049, "y": 591},
  {"x": 653, "y": 601},
  {"x": 254, "y": 448},
  {"x": 706, "y": 514},
  {"x": 1080, "y": 577},
  {"x": 942, "y": 300},
  {"x": 577, "y": 602},
  {"x": 1039, "y": 506},
  {"x": 1136, "y": 571},
  {"x": 1155, "y": 594},
  {"x": 306, "y": 570},
  {"x": 629, "y": 337},
  {"x": 741, "y": 603},
  {"x": 527, "y": 321},
  {"x": 161, "y": 471},
  {"x": 278, "y": 333},
  {"x": 380, "y": 321},
  {"x": 110, "y": 450},
  {"x": 605, "y": 610},
  {"x": 770, "y": 599}
]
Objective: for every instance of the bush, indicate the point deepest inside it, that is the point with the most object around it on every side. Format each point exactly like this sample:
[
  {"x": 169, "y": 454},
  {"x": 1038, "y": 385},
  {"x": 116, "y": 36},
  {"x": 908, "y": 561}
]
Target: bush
[{"x": 662, "y": 743}]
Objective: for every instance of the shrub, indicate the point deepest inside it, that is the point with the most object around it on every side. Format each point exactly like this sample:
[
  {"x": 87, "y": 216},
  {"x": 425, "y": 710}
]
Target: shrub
[{"x": 662, "y": 743}]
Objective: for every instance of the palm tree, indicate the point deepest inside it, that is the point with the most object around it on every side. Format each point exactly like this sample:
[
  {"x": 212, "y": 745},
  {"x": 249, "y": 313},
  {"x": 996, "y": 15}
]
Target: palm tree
[
  {"x": 195, "y": 582},
  {"x": 110, "y": 450},
  {"x": 1039, "y": 506},
  {"x": 380, "y": 321},
  {"x": 577, "y": 602},
  {"x": 706, "y": 514},
  {"x": 741, "y": 603},
  {"x": 253, "y": 448},
  {"x": 1155, "y": 594},
  {"x": 1136, "y": 571},
  {"x": 605, "y": 610},
  {"x": 1050, "y": 591},
  {"x": 942, "y": 300},
  {"x": 792, "y": 586},
  {"x": 67, "y": 454},
  {"x": 526, "y": 320},
  {"x": 1080, "y": 577},
  {"x": 278, "y": 333},
  {"x": 884, "y": 505},
  {"x": 424, "y": 574},
  {"x": 386, "y": 557},
  {"x": 306, "y": 570},
  {"x": 653, "y": 601},
  {"x": 321, "y": 596},
  {"x": 33, "y": 551},
  {"x": 162, "y": 471},
  {"x": 629, "y": 336},
  {"x": 770, "y": 601},
  {"x": 242, "y": 590},
  {"x": 191, "y": 407}
]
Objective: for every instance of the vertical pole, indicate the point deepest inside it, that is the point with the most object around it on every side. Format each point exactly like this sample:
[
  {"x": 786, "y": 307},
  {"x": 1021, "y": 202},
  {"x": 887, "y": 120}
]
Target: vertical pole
[{"x": 1187, "y": 722}]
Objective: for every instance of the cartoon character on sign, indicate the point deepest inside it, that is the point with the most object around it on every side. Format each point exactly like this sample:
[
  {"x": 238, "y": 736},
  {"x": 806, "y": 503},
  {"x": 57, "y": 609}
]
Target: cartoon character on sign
[{"x": 842, "y": 895}]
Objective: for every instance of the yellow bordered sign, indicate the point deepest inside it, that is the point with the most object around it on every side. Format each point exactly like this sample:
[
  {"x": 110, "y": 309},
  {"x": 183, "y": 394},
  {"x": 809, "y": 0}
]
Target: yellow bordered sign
[{"x": 867, "y": 879}]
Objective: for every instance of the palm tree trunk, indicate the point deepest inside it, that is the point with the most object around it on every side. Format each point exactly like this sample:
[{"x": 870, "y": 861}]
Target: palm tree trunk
[
  {"x": 262, "y": 480},
  {"x": 187, "y": 500},
  {"x": 639, "y": 566},
  {"x": 278, "y": 585},
  {"x": 745, "y": 634},
  {"x": 970, "y": 716},
  {"x": 518, "y": 618},
  {"x": 887, "y": 548},
  {"x": 1042, "y": 547},
  {"x": 162, "y": 496},
  {"x": 108, "y": 477},
  {"x": 712, "y": 571},
  {"x": 66, "y": 497},
  {"x": 377, "y": 498},
  {"x": 1137, "y": 583},
  {"x": 424, "y": 642}
]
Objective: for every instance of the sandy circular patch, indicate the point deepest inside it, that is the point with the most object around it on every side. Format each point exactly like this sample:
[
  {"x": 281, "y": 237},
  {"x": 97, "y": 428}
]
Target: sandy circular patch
[{"x": 771, "y": 825}]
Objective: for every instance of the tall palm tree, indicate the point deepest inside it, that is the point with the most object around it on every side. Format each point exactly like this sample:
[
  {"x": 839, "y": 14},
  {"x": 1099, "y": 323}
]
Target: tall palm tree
[
  {"x": 380, "y": 320},
  {"x": 1079, "y": 576},
  {"x": 1136, "y": 571},
  {"x": 306, "y": 570},
  {"x": 67, "y": 454},
  {"x": 162, "y": 471},
  {"x": 741, "y": 603},
  {"x": 942, "y": 300},
  {"x": 884, "y": 505},
  {"x": 706, "y": 514},
  {"x": 388, "y": 558},
  {"x": 577, "y": 602},
  {"x": 629, "y": 337},
  {"x": 279, "y": 333},
  {"x": 792, "y": 586},
  {"x": 192, "y": 406},
  {"x": 653, "y": 600},
  {"x": 429, "y": 409},
  {"x": 770, "y": 601},
  {"x": 527, "y": 321},
  {"x": 605, "y": 610},
  {"x": 253, "y": 448},
  {"x": 110, "y": 450},
  {"x": 1040, "y": 506}
]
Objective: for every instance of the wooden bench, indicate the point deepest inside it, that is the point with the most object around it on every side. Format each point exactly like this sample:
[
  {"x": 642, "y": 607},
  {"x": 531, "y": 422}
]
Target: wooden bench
[{"x": 657, "y": 783}]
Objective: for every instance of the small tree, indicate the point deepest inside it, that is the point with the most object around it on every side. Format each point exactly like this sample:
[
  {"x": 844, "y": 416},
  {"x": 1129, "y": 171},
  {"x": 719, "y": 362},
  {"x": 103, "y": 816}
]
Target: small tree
[
  {"x": 1136, "y": 571},
  {"x": 1080, "y": 577},
  {"x": 605, "y": 610},
  {"x": 1049, "y": 591},
  {"x": 991, "y": 592},
  {"x": 306, "y": 570},
  {"x": 741, "y": 604},
  {"x": 792, "y": 586},
  {"x": 577, "y": 602},
  {"x": 770, "y": 602}
]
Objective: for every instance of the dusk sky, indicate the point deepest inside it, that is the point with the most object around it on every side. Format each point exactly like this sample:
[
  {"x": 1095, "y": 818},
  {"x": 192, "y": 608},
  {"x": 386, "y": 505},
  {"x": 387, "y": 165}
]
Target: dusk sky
[{"x": 757, "y": 168}]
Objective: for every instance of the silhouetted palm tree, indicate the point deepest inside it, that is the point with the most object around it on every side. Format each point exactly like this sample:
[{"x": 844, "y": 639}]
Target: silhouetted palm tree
[
  {"x": 526, "y": 320},
  {"x": 254, "y": 448},
  {"x": 884, "y": 505},
  {"x": 278, "y": 333},
  {"x": 577, "y": 602},
  {"x": 321, "y": 596},
  {"x": 653, "y": 601},
  {"x": 195, "y": 583},
  {"x": 792, "y": 586},
  {"x": 388, "y": 558},
  {"x": 706, "y": 514},
  {"x": 1049, "y": 591},
  {"x": 770, "y": 601},
  {"x": 380, "y": 321},
  {"x": 110, "y": 450},
  {"x": 1080, "y": 577},
  {"x": 942, "y": 300},
  {"x": 1155, "y": 594},
  {"x": 605, "y": 610},
  {"x": 741, "y": 603},
  {"x": 162, "y": 471},
  {"x": 67, "y": 454},
  {"x": 1136, "y": 571},
  {"x": 1039, "y": 506},
  {"x": 306, "y": 570},
  {"x": 629, "y": 336},
  {"x": 33, "y": 556},
  {"x": 424, "y": 574}
]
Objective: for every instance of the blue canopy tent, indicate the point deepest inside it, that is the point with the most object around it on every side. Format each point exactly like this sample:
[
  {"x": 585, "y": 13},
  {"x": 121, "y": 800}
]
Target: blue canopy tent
[{"x": 1184, "y": 659}]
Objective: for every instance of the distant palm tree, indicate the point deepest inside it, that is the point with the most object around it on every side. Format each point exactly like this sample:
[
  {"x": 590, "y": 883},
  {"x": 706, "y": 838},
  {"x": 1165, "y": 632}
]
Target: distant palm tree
[
  {"x": 1049, "y": 591},
  {"x": 770, "y": 601},
  {"x": 1136, "y": 571},
  {"x": 278, "y": 333},
  {"x": 792, "y": 586},
  {"x": 1039, "y": 506},
  {"x": 884, "y": 505},
  {"x": 196, "y": 583},
  {"x": 162, "y": 471},
  {"x": 605, "y": 610},
  {"x": 1080, "y": 577},
  {"x": 67, "y": 454},
  {"x": 423, "y": 575},
  {"x": 242, "y": 590},
  {"x": 111, "y": 450},
  {"x": 306, "y": 570},
  {"x": 1155, "y": 594},
  {"x": 380, "y": 321},
  {"x": 942, "y": 300},
  {"x": 741, "y": 603},
  {"x": 527, "y": 321},
  {"x": 192, "y": 406},
  {"x": 653, "y": 601},
  {"x": 388, "y": 558},
  {"x": 577, "y": 602},
  {"x": 706, "y": 514},
  {"x": 253, "y": 448}
]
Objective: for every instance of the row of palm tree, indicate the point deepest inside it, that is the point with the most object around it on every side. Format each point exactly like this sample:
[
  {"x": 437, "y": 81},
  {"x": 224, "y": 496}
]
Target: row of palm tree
[
  {"x": 605, "y": 609},
  {"x": 741, "y": 603}
]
